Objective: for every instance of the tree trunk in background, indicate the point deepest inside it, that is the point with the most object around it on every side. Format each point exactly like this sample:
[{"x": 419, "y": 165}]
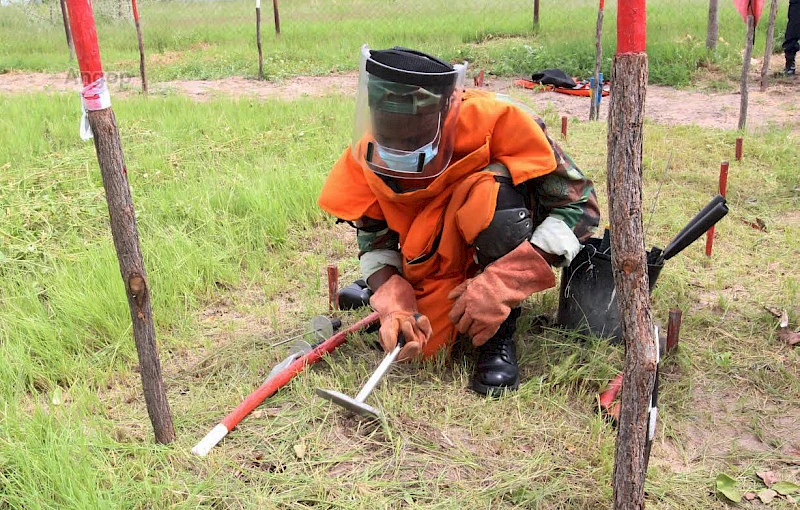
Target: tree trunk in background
[
  {"x": 629, "y": 262},
  {"x": 773, "y": 12},
  {"x": 713, "y": 25},
  {"x": 535, "y": 13},
  {"x": 277, "y": 16},
  {"x": 594, "y": 107},
  {"x": 126, "y": 241},
  {"x": 258, "y": 42},
  {"x": 748, "y": 54},
  {"x": 65, "y": 16},
  {"x": 141, "y": 45}
]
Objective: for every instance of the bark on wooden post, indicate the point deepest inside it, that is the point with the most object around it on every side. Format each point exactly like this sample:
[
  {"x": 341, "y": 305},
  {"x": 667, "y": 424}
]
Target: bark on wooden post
[
  {"x": 121, "y": 212},
  {"x": 67, "y": 30},
  {"x": 748, "y": 54},
  {"x": 141, "y": 45},
  {"x": 277, "y": 17},
  {"x": 594, "y": 106},
  {"x": 713, "y": 25},
  {"x": 333, "y": 287},
  {"x": 258, "y": 41},
  {"x": 773, "y": 12},
  {"x": 625, "y": 122},
  {"x": 535, "y": 13}
]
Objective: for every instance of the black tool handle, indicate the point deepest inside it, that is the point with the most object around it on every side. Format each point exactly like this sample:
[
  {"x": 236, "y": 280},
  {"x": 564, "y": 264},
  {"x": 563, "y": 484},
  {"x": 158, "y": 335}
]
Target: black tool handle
[
  {"x": 705, "y": 219},
  {"x": 719, "y": 199}
]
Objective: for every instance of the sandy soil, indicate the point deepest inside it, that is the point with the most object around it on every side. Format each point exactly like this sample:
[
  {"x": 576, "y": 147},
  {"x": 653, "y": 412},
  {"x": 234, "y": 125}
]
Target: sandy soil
[{"x": 780, "y": 104}]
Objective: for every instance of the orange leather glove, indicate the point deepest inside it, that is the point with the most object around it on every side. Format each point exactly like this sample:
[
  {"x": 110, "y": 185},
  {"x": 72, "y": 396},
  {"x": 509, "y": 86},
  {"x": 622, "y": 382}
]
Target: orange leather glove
[
  {"x": 483, "y": 303},
  {"x": 397, "y": 305}
]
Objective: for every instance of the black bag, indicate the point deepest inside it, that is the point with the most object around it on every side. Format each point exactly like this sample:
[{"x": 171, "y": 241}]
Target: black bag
[{"x": 555, "y": 77}]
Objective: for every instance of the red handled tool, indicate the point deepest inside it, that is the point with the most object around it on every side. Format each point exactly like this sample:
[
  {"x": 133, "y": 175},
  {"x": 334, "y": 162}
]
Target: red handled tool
[{"x": 276, "y": 382}]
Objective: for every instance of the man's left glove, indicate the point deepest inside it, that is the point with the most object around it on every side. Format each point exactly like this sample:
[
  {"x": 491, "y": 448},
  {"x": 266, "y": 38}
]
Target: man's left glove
[
  {"x": 483, "y": 303},
  {"x": 396, "y": 303}
]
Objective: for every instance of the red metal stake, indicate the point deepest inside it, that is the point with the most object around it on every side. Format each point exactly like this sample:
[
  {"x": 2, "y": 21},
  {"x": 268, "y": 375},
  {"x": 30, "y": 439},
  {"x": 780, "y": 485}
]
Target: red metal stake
[
  {"x": 739, "y": 149},
  {"x": 564, "y": 122},
  {"x": 333, "y": 287},
  {"x": 610, "y": 393},
  {"x": 723, "y": 188}
]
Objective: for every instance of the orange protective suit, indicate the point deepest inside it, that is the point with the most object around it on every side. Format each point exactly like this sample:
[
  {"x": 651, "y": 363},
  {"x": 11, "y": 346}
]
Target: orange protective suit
[{"x": 438, "y": 224}]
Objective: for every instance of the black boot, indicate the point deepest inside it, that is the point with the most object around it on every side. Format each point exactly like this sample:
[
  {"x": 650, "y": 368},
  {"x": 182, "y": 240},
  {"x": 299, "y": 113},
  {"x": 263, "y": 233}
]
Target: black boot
[
  {"x": 790, "y": 65},
  {"x": 496, "y": 366}
]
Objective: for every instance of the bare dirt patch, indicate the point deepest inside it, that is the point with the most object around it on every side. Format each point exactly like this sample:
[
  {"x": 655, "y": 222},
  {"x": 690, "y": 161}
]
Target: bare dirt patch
[{"x": 665, "y": 105}]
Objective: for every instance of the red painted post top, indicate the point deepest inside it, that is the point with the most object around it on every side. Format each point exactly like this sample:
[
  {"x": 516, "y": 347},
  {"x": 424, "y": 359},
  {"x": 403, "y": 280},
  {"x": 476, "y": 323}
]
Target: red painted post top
[
  {"x": 631, "y": 26},
  {"x": 602, "y": 4},
  {"x": 84, "y": 35},
  {"x": 135, "y": 10}
]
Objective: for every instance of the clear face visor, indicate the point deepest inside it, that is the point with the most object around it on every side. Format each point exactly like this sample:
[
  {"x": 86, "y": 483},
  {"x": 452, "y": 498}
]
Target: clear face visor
[{"x": 406, "y": 131}]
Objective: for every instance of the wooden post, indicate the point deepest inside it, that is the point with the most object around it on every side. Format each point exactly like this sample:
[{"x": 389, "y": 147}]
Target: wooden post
[
  {"x": 628, "y": 258},
  {"x": 333, "y": 287},
  {"x": 65, "y": 16},
  {"x": 277, "y": 17},
  {"x": 773, "y": 12},
  {"x": 739, "y": 148},
  {"x": 673, "y": 329},
  {"x": 748, "y": 54},
  {"x": 258, "y": 41},
  {"x": 141, "y": 45},
  {"x": 594, "y": 104},
  {"x": 121, "y": 212},
  {"x": 712, "y": 33},
  {"x": 564, "y": 124},
  {"x": 535, "y": 13}
]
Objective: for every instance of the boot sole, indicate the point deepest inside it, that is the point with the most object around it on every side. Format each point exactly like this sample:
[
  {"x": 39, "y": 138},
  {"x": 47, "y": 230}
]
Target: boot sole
[{"x": 494, "y": 391}]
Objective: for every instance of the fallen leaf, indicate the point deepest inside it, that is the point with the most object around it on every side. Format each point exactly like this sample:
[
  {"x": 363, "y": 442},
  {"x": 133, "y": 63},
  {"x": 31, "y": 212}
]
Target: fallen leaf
[
  {"x": 58, "y": 397},
  {"x": 749, "y": 496},
  {"x": 774, "y": 311},
  {"x": 785, "y": 488},
  {"x": 786, "y": 335},
  {"x": 767, "y": 495},
  {"x": 768, "y": 477},
  {"x": 757, "y": 225},
  {"x": 727, "y": 486},
  {"x": 300, "y": 450}
]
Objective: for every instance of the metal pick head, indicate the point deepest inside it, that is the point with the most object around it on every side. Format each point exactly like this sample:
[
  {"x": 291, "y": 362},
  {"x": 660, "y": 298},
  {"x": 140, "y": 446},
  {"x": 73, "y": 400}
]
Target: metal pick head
[{"x": 359, "y": 408}]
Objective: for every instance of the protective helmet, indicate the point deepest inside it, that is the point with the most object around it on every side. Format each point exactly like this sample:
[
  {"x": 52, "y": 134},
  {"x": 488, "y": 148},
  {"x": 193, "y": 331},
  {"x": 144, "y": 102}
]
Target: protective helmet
[{"x": 406, "y": 111}]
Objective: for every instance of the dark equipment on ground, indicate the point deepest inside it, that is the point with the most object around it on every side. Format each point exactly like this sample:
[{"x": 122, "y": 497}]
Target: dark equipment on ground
[
  {"x": 354, "y": 296},
  {"x": 588, "y": 301}
]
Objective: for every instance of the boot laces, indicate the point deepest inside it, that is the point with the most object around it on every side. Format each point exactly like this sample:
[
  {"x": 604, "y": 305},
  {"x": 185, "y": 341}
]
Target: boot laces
[{"x": 499, "y": 347}]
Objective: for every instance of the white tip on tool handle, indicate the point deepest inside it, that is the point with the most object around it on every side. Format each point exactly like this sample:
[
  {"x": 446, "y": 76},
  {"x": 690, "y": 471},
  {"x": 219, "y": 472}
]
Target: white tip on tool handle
[{"x": 211, "y": 440}]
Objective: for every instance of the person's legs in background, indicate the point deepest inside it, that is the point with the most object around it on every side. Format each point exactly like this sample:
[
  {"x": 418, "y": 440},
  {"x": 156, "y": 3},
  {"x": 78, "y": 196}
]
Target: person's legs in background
[{"x": 790, "y": 44}]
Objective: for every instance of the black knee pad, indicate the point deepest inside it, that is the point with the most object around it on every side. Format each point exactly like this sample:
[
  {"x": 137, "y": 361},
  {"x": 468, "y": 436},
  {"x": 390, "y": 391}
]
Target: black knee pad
[{"x": 511, "y": 225}]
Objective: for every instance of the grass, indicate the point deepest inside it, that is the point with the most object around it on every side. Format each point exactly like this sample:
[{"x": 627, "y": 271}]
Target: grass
[
  {"x": 211, "y": 40},
  {"x": 235, "y": 250}
]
